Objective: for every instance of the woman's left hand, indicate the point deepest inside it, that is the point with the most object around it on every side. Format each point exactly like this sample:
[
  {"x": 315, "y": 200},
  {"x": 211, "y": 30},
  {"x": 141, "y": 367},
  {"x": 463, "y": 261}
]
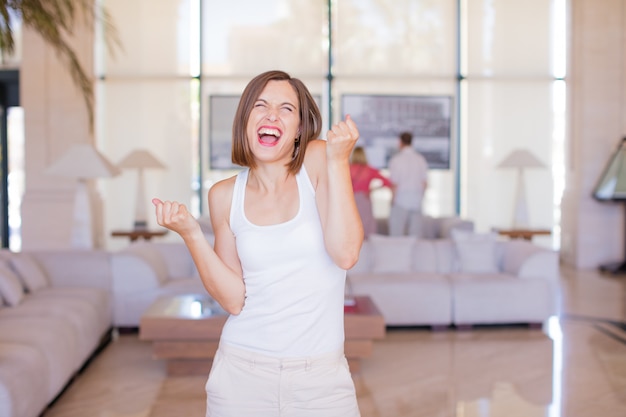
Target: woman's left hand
[{"x": 341, "y": 138}]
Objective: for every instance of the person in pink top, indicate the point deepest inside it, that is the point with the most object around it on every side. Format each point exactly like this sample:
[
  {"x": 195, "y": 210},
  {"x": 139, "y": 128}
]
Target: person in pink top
[{"x": 363, "y": 175}]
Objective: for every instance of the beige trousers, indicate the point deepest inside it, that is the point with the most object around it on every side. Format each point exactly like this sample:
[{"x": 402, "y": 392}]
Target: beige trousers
[
  {"x": 405, "y": 222},
  {"x": 246, "y": 384}
]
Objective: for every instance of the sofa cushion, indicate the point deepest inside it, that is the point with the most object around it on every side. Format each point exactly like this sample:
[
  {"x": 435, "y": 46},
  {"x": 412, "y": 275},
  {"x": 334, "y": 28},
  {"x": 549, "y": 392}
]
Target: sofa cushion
[
  {"x": 477, "y": 252},
  {"x": 176, "y": 258},
  {"x": 54, "y": 338},
  {"x": 23, "y": 383},
  {"x": 153, "y": 257},
  {"x": 414, "y": 298},
  {"x": 29, "y": 272},
  {"x": 11, "y": 288},
  {"x": 391, "y": 253},
  {"x": 500, "y": 298},
  {"x": 88, "y": 314},
  {"x": 424, "y": 256}
]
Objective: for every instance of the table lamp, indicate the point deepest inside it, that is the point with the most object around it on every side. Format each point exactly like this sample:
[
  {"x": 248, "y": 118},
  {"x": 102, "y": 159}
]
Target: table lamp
[
  {"x": 82, "y": 162},
  {"x": 140, "y": 159},
  {"x": 520, "y": 159}
]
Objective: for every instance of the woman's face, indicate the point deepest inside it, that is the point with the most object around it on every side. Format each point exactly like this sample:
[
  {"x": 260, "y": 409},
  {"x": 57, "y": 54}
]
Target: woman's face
[{"x": 274, "y": 123}]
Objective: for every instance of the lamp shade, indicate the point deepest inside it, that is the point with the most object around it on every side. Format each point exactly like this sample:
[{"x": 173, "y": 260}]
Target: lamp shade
[
  {"x": 140, "y": 158},
  {"x": 82, "y": 161},
  {"x": 521, "y": 158},
  {"x": 612, "y": 183}
]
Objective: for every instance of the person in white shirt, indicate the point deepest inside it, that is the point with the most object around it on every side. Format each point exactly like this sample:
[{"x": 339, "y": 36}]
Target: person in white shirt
[
  {"x": 408, "y": 170},
  {"x": 286, "y": 230}
]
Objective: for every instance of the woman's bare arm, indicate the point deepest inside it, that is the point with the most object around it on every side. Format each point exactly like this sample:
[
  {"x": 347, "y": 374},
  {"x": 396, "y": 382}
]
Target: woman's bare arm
[
  {"x": 330, "y": 161},
  {"x": 219, "y": 268}
]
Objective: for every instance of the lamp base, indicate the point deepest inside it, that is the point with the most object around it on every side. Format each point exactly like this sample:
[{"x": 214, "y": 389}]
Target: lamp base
[
  {"x": 140, "y": 225},
  {"x": 615, "y": 268}
]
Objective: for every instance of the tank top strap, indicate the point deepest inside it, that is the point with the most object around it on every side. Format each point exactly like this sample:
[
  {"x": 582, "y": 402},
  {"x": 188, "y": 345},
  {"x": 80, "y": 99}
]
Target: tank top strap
[
  {"x": 239, "y": 191},
  {"x": 304, "y": 181}
]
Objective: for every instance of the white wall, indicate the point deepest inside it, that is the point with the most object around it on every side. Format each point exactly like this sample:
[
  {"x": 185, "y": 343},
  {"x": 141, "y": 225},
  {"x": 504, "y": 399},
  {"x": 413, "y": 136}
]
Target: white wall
[{"x": 593, "y": 232}]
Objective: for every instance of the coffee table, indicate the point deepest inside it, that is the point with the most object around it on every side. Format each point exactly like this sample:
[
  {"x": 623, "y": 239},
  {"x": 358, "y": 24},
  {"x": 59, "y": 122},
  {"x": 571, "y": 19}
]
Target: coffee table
[{"x": 185, "y": 331}]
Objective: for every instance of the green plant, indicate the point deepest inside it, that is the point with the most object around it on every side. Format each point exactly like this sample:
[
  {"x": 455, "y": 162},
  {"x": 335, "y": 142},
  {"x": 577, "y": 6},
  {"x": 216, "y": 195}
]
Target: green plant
[{"x": 55, "y": 21}]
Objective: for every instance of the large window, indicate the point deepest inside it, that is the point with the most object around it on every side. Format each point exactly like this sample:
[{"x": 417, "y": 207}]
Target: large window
[{"x": 504, "y": 89}]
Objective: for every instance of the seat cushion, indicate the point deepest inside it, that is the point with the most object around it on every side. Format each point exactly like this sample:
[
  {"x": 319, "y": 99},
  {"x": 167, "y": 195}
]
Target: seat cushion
[
  {"x": 477, "y": 252},
  {"x": 391, "y": 253},
  {"x": 500, "y": 298},
  {"x": 24, "y": 387},
  {"x": 53, "y": 338},
  {"x": 87, "y": 316},
  {"x": 413, "y": 299}
]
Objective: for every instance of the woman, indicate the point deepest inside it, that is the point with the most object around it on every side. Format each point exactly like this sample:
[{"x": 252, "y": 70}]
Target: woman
[
  {"x": 362, "y": 177},
  {"x": 286, "y": 230}
]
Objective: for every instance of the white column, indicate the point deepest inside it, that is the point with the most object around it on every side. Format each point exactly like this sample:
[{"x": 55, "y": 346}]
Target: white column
[
  {"x": 593, "y": 232},
  {"x": 54, "y": 118}
]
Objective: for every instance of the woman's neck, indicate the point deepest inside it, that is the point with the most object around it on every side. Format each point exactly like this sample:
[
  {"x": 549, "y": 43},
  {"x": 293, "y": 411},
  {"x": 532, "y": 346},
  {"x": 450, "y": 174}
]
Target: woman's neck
[{"x": 268, "y": 177}]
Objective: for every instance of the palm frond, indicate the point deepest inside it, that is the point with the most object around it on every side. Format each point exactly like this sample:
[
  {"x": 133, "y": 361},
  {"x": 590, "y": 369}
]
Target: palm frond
[{"x": 55, "y": 21}]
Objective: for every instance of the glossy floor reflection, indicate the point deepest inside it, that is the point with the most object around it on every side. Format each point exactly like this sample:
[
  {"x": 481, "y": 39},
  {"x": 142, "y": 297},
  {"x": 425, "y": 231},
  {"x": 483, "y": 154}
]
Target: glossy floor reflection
[{"x": 574, "y": 367}]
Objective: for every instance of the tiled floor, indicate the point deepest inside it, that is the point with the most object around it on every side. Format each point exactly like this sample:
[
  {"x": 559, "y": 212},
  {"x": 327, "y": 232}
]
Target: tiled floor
[{"x": 574, "y": 367}]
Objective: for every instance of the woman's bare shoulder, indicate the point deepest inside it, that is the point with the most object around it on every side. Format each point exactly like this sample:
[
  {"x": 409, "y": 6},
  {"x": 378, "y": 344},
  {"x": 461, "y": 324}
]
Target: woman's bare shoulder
[
  {"x": 315, "y": 152},
  {"x": 317, "y": 145},
  {"x": 315, "y": 160},
  {"x": 222, "y": 191}
]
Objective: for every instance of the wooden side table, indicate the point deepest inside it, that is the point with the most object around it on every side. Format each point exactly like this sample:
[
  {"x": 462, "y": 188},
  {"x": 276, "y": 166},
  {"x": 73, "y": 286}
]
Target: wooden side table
[
  {"x": 133, "y": 235},
  {"x": 526, "y": 234}
]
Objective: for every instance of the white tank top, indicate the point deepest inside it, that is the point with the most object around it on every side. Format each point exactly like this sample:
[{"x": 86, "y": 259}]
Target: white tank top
[{"x": 294, "y": 291}]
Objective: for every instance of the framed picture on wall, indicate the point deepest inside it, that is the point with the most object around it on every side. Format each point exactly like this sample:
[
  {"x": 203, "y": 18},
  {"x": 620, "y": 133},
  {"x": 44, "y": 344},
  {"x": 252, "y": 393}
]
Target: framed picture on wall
[
  {"x": 222, "y": 109},
  {"x": 381, "y": 119}
]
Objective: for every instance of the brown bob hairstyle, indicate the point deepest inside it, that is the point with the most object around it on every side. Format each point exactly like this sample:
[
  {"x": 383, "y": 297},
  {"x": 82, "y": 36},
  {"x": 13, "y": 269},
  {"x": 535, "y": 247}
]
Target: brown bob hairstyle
[{"x": 310, "y": 119}]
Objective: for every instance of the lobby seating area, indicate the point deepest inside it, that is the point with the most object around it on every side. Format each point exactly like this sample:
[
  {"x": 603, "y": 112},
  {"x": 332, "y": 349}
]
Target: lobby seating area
[
  {"x": 55, "y": 312},
  {"x": 59, "y": 306},
  {"x": 571, "y": 367},
  {"x": 445, "y": 282}
]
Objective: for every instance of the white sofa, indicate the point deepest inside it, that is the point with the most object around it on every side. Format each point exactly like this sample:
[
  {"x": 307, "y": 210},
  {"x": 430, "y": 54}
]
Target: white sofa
[
  {"x": 58, "y": 307},
  {"x": 432, "y": 227},
  {"x": 443, "y": 282},
  {"x": 50, "y": 330},
  {"x": 145, "y": 271}
]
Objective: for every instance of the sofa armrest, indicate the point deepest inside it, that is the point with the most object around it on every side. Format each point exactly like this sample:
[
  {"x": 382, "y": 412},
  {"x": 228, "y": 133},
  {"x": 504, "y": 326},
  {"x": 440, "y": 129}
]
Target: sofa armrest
[
  {"x": 541, "y": 265},
  {"x": 75, "y": 267},
  {"x": 526, "y": 260}
]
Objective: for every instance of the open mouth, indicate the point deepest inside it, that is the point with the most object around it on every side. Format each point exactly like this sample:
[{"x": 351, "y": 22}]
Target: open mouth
[{"x": 269, "y": 136}]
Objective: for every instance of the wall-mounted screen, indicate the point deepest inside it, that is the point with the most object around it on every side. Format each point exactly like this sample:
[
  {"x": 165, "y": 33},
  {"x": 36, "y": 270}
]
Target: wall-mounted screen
[{"x": 381, "y": 119}]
